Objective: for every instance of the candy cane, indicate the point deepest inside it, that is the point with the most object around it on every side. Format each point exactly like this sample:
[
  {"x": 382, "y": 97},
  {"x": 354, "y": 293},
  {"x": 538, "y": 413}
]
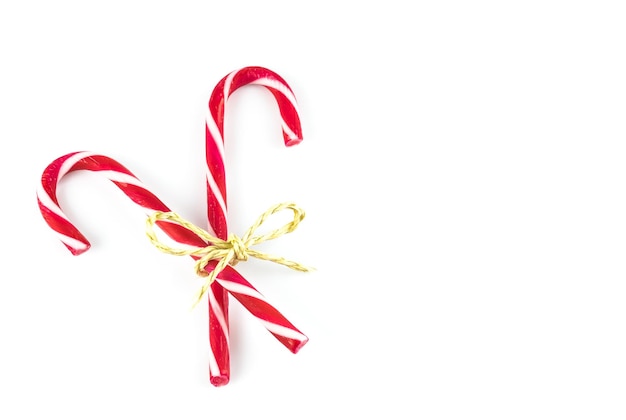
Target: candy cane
[{"x": 217, "y": 204}]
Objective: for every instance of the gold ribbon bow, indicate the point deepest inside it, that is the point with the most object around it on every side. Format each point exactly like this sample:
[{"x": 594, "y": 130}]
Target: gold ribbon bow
[{"x": 231, "y": 251}]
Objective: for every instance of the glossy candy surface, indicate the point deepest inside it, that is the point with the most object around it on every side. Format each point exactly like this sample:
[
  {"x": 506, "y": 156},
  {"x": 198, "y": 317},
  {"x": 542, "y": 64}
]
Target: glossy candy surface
[{"x": 216, "y": 187}]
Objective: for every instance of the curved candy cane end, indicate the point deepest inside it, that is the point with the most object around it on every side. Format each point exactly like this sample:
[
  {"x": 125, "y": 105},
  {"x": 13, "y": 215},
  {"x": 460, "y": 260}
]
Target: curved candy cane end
[
  {"x": 292, "y": 137},
  {"x": 77, "y": 245}
]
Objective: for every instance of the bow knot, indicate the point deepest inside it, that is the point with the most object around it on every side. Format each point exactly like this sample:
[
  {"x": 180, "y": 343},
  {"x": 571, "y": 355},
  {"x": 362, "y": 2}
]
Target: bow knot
[
  {"x": 240, "y": 249},
  {"x": 228, "y": 252}
]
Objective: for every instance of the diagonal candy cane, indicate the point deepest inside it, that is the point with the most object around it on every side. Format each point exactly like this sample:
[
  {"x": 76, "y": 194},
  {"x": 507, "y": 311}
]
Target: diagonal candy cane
[
  {"x": 126, "y": 181},
  {"x": 216, "y": 188},
  {"x": 228, "y": 280}
]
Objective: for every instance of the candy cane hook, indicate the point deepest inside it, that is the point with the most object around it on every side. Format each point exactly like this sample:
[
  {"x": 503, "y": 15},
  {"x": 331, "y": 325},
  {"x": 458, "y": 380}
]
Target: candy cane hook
[
  {"x": 115, "y": 172},
  {"x": 216, "y": 189}
]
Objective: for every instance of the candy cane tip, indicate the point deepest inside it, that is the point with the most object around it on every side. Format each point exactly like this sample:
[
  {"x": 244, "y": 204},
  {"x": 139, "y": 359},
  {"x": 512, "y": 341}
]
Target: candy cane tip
[
  {"x": 78, "y": 251},
  {"x": 295, "y": 349},
  {"x": 220, "y": 380},
  {"x": 293, "y": 141}
]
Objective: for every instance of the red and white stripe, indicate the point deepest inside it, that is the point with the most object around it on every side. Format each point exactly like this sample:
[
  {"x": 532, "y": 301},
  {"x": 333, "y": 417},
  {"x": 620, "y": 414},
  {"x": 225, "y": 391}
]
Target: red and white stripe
[{"x": 217, "y": 208}]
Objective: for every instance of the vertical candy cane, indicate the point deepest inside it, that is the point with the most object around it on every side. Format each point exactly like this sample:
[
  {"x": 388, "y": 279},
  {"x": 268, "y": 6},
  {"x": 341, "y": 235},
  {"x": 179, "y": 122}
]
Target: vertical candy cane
[{"x": 217, "y": 208}]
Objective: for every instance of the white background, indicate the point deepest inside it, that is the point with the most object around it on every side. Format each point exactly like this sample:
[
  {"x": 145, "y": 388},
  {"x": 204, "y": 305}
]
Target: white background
[{"x": 463, "y": 173}]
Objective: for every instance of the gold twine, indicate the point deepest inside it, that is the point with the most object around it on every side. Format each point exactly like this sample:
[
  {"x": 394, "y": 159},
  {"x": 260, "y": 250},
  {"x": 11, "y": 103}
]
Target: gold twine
[{"x": 231, "y": 251}]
